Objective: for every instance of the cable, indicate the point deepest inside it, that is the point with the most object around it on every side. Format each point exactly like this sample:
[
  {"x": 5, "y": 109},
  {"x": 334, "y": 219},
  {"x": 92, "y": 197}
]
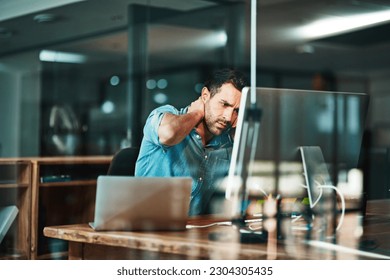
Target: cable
[
  {"x": 342, "y": 203},
  {"x": 341, "y": 199},
  {"x": 209, "y": 225},
  {"x": 224, "y": 223},
  {"x": 319, "y": 196}
]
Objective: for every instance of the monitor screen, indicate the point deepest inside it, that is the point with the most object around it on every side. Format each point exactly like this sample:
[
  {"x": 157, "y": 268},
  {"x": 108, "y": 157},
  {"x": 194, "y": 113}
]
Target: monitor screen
[
  {"x": 316, "y": 173},
  {"x": 272, "y": 125}
]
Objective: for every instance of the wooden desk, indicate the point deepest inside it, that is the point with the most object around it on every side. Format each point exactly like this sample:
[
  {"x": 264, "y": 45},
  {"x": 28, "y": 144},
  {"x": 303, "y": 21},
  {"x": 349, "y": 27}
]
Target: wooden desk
[{"x": 85, "y": 243}]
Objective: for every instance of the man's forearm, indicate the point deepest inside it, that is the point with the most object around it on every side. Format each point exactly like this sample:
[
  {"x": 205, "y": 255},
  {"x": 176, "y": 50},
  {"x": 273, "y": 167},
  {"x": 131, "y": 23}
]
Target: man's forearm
[{"x": 174, "y": 128}]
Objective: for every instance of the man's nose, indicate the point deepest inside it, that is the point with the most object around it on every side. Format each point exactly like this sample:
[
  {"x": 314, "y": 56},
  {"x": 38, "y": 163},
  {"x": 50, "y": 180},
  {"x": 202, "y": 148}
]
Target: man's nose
[{"x": 228, "y": 114}]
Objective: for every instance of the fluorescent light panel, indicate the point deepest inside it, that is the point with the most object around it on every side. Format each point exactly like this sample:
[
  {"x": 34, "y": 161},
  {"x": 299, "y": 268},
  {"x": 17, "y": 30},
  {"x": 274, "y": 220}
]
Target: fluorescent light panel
[
  {"x": 335, "y": 25},
  {"x": 55, "y": 56}
]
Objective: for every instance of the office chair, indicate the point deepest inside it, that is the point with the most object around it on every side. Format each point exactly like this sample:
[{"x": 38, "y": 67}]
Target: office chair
[{"x": 123, "y": 162}]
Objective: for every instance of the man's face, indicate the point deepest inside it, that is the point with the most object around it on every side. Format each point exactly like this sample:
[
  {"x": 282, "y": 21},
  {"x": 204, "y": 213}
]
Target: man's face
[{"x": 221, "y": 110}]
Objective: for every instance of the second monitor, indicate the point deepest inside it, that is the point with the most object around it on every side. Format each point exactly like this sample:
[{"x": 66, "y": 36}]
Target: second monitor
[{"x": 272, "y": 125}]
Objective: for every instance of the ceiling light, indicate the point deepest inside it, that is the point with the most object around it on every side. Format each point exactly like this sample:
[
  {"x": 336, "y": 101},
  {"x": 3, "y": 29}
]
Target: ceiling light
[
  {"x": 151, "y": 84},
  {"x": 210, "y": 39},
  {"x": 55, "y": 56},
  {"x": 45, "y": 18},
  {"x": 108, "y": 107},
  {"x": 162, "y": 83},
  {"x": 336, "y": 25},
  {"x": 222, "y": 37},
  {"x": 114, "y": 80},
  {"x": 160, "y": 98}
]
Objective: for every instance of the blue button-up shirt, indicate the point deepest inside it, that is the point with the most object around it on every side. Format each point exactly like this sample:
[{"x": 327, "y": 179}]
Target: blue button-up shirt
[{"x": 205, "y": 164}]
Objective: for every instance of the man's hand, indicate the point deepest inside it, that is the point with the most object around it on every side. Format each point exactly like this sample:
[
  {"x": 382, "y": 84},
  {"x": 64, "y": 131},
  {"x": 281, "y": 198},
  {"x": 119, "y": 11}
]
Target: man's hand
[{"x": 197, "y": 106}]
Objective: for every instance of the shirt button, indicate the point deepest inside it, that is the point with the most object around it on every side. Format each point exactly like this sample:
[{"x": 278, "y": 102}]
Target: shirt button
[
  {"x": 205, "y": 156},
  {"x": 200, "y": 179}
]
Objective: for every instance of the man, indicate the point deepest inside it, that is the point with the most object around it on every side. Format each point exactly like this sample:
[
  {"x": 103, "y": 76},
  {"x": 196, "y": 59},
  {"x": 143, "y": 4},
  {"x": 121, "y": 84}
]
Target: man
[{"x": 194, "y": 141}]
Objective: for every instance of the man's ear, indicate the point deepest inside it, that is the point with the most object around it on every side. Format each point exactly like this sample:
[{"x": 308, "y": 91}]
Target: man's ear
[{"x": 205, "y": 94}]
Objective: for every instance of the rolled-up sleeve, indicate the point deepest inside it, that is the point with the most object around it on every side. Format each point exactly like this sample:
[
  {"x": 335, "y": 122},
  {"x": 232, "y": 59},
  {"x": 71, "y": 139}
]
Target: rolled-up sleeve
[{"x": 153, "y": 122}]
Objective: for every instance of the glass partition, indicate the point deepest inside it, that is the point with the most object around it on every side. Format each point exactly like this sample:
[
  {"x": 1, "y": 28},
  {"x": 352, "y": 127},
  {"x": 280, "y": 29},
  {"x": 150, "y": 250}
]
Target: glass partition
[
  {"x": 271, "y": 130},
  {"x": 81, "y": 78}
]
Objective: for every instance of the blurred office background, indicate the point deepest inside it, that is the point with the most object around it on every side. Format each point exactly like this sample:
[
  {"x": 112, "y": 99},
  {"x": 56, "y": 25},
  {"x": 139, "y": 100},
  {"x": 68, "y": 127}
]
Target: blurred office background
[{"x": 80, "y": 77}]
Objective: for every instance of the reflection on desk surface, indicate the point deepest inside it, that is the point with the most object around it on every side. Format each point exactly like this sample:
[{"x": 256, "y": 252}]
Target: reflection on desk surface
[{"x": 359, "y": 238}]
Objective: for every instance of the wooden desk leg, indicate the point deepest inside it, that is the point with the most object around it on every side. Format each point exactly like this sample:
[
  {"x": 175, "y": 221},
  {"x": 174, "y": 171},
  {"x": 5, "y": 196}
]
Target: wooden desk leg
[{"x": 75, "y": 251}]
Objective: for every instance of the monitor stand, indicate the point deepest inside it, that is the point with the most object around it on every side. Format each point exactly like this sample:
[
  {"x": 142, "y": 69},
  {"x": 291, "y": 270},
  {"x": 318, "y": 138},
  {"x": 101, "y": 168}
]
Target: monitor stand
[{"x": 248, "y": 235}]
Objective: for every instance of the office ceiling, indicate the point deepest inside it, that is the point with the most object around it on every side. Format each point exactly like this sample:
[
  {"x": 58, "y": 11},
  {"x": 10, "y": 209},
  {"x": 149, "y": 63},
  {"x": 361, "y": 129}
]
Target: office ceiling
[{"x": 279, "y": 45}]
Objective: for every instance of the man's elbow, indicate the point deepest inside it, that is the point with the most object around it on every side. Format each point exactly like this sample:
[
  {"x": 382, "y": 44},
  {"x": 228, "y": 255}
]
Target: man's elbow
[{"x": 167, "y": 137}]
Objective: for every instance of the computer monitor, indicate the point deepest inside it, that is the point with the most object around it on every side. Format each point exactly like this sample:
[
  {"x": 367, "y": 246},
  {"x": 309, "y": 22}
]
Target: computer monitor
[
  {"x": 273, "y": 123},
  {"x": 316, "y": 173}
]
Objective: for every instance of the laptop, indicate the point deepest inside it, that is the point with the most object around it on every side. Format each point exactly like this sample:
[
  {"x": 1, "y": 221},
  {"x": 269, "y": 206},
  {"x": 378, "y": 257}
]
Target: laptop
[{"x": 125, "y": 203}]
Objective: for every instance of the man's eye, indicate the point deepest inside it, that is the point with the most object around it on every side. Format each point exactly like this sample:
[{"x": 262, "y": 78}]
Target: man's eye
[{"x": 224, "y": 104}]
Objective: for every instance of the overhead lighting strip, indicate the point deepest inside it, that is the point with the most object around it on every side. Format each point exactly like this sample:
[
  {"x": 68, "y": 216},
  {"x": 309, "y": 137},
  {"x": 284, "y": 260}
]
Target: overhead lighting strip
[
  {"x": 337, "y": 25},
  {"x": 64, "y": 57}
]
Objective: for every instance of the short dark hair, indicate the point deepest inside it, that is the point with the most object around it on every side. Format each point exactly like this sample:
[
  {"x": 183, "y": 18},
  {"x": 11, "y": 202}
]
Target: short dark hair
[{"x": 223, "y": 76}]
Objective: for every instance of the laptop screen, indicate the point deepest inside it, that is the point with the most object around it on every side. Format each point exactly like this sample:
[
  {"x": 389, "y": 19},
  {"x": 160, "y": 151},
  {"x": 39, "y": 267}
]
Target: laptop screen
[{"x": 142, "y": 203}]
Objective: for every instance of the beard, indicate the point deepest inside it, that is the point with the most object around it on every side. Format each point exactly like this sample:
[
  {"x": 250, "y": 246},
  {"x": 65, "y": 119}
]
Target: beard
[{"x": 215, "y": 125}]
